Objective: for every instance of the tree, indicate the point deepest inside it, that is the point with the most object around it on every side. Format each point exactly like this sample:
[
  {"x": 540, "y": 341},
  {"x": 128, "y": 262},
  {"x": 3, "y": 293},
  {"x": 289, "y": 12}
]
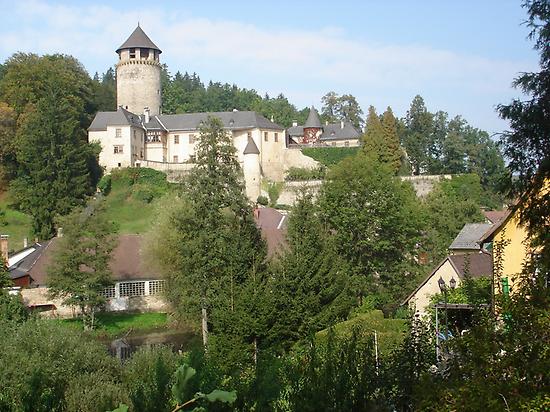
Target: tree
[
  {"x": 344, "y": 108},
  {"x": 80, "y": 271},
  {"x": 527, "y": 144},
  {"x": 210, "y": 247},
  {"x": 375, "y": 223},
  {"x": 7, "y": 144},
  {"x": 53, "y": 156},
  {"x": 417, "y": 138}
]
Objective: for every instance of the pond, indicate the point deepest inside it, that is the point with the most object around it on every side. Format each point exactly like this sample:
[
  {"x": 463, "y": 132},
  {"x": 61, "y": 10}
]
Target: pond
[{"x": 124, "y": 347}]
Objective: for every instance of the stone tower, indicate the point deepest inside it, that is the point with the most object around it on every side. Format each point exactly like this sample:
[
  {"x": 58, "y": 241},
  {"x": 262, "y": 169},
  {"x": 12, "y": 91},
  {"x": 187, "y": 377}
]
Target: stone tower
[
  {"x": 251, "y": 170},
  {"x": 312, "y": 127},
  {"x": 138, "y": 74}
]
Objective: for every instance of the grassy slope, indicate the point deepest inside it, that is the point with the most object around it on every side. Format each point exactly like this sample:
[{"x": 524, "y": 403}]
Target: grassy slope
[
  {"x": 329, "y": 156},
  {"x": 118, "y": 324},
  {"x": 390, "y": 331},
  {"x": 15, "y": 224}
]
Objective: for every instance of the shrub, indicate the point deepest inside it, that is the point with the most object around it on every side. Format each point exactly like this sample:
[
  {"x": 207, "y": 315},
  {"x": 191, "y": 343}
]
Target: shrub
[
  {"x": 104, "y": 184},
  {"x": 329, "y": 156},
  {"x": 144, "y": 195},
  {"x": 262, "y": 200},
  {"x": 302, "y": 173}
]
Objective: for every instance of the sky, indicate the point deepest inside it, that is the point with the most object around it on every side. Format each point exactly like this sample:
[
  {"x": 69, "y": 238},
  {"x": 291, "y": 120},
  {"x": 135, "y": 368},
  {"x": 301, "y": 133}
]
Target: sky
[{"x": 460, "y": 56}]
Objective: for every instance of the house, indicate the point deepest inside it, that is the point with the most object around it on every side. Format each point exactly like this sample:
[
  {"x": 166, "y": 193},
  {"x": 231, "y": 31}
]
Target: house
[
  {"x": 313, "y": 132},
  {"x": 134, "y": 286},
  {"x": 469, "y": 239},
  {"x": 453, "y": 267},
  {"x": 509, "y": 241},
  {"x": 137, "y": 134}
]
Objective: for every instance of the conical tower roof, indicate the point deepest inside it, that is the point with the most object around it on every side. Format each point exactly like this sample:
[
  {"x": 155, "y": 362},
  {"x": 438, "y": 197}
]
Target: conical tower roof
[
  {"x": 251, "y": 147},
  {"x": 313, "y": 119},
  {"x": 138, "y": 39}
]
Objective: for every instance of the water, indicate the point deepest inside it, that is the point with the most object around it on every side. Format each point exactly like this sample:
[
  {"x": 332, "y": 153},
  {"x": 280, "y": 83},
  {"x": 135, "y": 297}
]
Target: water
[{"x": 178, "y": 340}]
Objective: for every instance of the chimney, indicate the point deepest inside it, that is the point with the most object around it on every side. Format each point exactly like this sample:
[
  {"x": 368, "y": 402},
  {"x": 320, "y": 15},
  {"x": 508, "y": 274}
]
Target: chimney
[
  {"x": 341, "y": 124},
  {"x": 25, "y": 243},
  {"x": 59, "y": 232},
  {"x": 272, "y": 118},
  {"x": 4, "y": 243},
  {"x": 147, "y": 114},
  {"x": 294, "y": 123}
]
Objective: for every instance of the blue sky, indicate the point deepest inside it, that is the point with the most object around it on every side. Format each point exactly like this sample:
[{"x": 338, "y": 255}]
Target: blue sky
[{"x": 461, "y": 56}]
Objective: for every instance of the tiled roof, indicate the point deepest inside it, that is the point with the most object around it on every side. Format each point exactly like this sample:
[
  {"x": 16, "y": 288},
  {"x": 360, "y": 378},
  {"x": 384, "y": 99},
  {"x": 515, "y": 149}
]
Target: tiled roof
[
  {"x": 339, "y": 131},
  {"x": 313, "y": 119},
  {"x": 138, "y": 39},
  {"x": 121, "y": 117},
  {"x": 231, "y": 120},
  {"x": 470, "y": 236},
  {"x": 494, "y": 216},
  {"x": 475, "y": 264}
]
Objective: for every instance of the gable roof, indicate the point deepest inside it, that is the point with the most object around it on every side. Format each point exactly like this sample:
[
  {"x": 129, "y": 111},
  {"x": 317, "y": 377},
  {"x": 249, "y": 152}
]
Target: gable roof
[
  {"x": 335, "y": 131},
  {"x": 494, "y": 216},
  {"x": 470, "y": 236},
  {"x": 480, "y": 264},
  {"x": 231, "y": 120},
  {"x": 493, "y": 229},
  {"x": 121, "y": 117},
  {"x": 138, "y": 39},
  {"x": 313, "y": 119}
]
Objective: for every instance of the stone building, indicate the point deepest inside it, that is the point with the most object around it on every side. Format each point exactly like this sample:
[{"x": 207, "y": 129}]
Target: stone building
[
  {"x": 139, "y": 135},
  {"x": 331, "y": 134}
]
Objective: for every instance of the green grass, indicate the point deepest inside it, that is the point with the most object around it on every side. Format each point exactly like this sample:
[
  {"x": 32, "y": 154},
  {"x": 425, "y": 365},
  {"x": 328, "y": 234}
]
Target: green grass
[
  {"x": 118, "y": 324},
  {"x": 390, "y": 332},
  {"x": 329, "y": 156},
  {"x": 133, "y": 198},
  {"x": 14, "y": 223}
]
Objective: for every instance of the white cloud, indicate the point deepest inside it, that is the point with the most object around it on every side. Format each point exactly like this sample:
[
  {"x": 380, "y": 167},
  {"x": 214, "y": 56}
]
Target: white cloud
[{"x": 306, "y": 62}]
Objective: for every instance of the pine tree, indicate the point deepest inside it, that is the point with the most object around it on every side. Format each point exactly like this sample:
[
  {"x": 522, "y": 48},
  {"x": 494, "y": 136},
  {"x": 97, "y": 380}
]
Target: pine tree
[
  {"x": 418, "y": 135},
  {"x": 54, "y": 158},
  {"x": 80, "y": 270},
  {"x": 393, "y": 152},
  {"x": 373, "y": 139}
]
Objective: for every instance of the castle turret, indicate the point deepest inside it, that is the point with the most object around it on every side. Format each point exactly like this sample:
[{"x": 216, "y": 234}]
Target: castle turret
[
  {"x": 138, "y": 74},
  {"x": 312, "y": 127},
  {"x": 251, "y": 169}
]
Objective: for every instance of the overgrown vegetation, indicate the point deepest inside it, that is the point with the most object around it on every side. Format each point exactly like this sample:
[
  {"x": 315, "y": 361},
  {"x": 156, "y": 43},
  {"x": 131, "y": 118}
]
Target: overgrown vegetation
[
  {"x": 329, "y": 156},
  {"x": 302, "y": 174}
]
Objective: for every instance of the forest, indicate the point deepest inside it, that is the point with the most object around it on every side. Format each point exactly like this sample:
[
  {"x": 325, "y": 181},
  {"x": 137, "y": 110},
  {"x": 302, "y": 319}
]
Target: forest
[{"x": 294, "y": 332}]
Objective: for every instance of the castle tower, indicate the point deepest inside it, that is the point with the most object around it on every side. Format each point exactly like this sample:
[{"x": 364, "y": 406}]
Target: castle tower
[
  {"x": 138, "y": 74},
  {"x": 252, "y": 171},
  {"x": 312, "y": 127}
]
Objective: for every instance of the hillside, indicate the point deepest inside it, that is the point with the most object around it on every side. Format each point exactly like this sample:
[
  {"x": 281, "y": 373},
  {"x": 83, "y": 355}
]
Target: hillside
[
  {"x": 14, "y": 223},
  {"x": 131, "y": 197},
  {"x": 390, "y": 332}
]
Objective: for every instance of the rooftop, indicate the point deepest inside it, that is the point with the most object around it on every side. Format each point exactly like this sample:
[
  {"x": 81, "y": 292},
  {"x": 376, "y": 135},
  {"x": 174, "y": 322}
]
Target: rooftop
[
  {"x": 138, "y": 39},
  {"x": 470, "y": 236}
]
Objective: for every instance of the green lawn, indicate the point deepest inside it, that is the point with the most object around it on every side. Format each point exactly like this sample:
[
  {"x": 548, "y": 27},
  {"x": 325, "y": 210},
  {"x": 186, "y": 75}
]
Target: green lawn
[
  {"x": 14, "y": 223},
  {"x": 390, "y": 332},
  {"x": 132, "y": 215},
  {"x": 118, "y": 324}
]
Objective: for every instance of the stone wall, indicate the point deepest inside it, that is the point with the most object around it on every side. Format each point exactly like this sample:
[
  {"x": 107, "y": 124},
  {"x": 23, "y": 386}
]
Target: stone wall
[
  {"x": 138, "y": 85},
  {"x": 424, "y": 184}
]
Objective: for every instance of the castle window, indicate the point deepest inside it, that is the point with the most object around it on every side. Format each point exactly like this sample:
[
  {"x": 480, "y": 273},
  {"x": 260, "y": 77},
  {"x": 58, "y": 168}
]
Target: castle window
[
  {"x": 144, "y": 53},
  {"x": 276, "y": 137},
  {"x": 266, "y": 138},
  {"x": 118, "y": 149},
  {"x": 132, "y": 53},
  {"x": 191, "y": 139},
  {"x": 176, "y": 159},
  {"x": 118, "y": 132},
  {"x": 177, "y": 139},
  {"x": 141, "y": 154}
]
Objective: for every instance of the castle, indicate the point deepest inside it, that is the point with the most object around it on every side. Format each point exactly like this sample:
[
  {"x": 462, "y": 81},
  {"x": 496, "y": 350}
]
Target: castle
[{"x": 137, "y": 134}]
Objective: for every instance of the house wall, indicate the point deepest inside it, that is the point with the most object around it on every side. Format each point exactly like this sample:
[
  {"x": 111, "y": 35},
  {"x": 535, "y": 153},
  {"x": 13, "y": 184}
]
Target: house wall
[
  {"x": 420, "y": 301},
  {"x": 514, "y": 254},
  {"x": 131, "y": 139}
]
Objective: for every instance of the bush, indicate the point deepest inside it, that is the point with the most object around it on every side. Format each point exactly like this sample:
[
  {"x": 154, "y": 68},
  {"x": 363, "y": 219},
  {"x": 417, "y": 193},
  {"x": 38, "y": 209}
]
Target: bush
[
  {"x": 144, "y": 195},
  {"x": 104, "y": 184},
  {"x": 262, "y": 200},
  {"x": 301, "y": 173},
  {"x": 148, "y": 378},
  {"x": 329, "y": 156}
]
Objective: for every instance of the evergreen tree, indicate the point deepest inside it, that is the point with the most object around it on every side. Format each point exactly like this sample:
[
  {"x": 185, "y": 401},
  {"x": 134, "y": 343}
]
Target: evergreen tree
[
  {"x": 54, "y": 162},
  {"x": 373, "y": 139},
  {"x": 80, "y": 271},
  {"x": 391, "y": 140},
  {"x": 5, "y": 279},
  {"x": 417, "y": 138},
  {"x": 211, "y": 248},
  {"x": 8, "y": 162}
]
